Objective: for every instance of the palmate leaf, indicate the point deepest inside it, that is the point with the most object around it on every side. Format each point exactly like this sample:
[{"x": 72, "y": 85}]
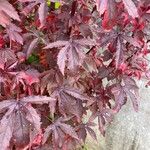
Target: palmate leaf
[
  {"x": 32, "y": 45},
  {"x": 69, "y": 101},
  {"x": 132, "y": 91},
  {"x": 116, "y": 43},
  {"x": 19, "y": 119},
  {"x": 109, "y": 5},
  {"x": 7, "y": 57},
  {"x": 21, "y": 129},
  {"x": 4, "y": 19},
  {"x": 83, "y": 129},
  {"x": 14, "y": 33},
  {"x": 120, "y": 97},
  {"x": 72, "y": 54},
  {"x": 27, "y": 77},
  {"x": 37, "y": 99},
  {"x": 50, "y": 81},
  {"x": 32, "y": 39},
  {"x": 101, "y": 6},
  {"x": 109, "y": 9},
  {"x": 6, "y": 129},
  {"x": 131, "y": 8},
  {"x": 121, "y": 93},
  {"x": 100, "y": 109},
  {"x": 42, "y": 11},
  {"x": 104, "y": 116},
  {"x": 7, "y": 11},
  {"x": 62, "y": 58},
  {"x": 58, "y": 130},
  {"x": 119, "y": 53}
]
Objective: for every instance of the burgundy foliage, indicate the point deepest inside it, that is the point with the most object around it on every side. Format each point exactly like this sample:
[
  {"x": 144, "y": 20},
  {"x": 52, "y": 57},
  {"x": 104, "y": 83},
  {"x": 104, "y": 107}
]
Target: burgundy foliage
[{"x": 57, "y": 64}]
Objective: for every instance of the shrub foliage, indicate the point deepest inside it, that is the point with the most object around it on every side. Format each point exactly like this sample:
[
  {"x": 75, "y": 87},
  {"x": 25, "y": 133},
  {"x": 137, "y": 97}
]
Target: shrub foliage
[{"x": 61, "y": 58}]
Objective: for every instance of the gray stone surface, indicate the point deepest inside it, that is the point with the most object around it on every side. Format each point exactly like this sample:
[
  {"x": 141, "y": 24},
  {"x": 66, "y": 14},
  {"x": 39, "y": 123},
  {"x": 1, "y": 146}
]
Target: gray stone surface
[{"x": 129, "y": 130}]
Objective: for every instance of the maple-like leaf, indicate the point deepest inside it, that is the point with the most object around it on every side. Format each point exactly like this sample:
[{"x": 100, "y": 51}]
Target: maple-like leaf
[
  {"x": 119, "y": 53},
  {"x": 6, "y": 130},
  {"x": 131, "y": 8},
  {"x": 72, "y": 54},
  {"x": 121, "y": 93},
  {"x": 14, "y": 33},
  {"x": 58, "y": 130},
  {"x": 7, "y": 57},
  {"x": 32, "y": 45},
  {"x": 42, "y": 10},
  {"x": 89, "y": 64},
  {"x": 83, "y": 129},
  {"x": 19, "y": 119},
  {"x": 109, "y": 9},
  {"x": 4, "y": 19},
  {"x": 72, "y": 67},
  {"x": 100, "y": 108},
  {"x": 50, "y": 81},
  {"x": 7, "y": 11},
  {"x": 21, "y": 128},
  {"x": 69, "y": 101},
  {"x": 62, "y": 58},
  {"x": 101, "y": 6},
  {"x": 114, "y": 40},
  {"x": 27, "y": 77},
  {"x": 32, "y": 39},
  {"x": 37, "y": 99}
]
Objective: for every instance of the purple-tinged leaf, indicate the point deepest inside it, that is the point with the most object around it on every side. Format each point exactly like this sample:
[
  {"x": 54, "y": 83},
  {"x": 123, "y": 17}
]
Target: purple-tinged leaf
[
  {"x": 6, "y": 130},
  {"x": 120, "y": 97},
  {"x": 28, "y": 9},
  {"x": 6, "y": 7},
  {"x": 5, "y": 104},
  {"x": 73, "y": 53},
  {"x": 132, "y": 91},
  {"x": 33, "y": 117},
  {"x": 70, "y": 101},
  {"x": 132, "y": 41},
  {"x": 82, "y": 133},
  {"x": 91, "y": 132},
  {"x": 58, "y": 130},
  {"x": 83, "y": 42},
  {"x": 4, "y": 19},
  {"x": 47, "y": 133},
  {"x": 119, "y": 53},
  {"x": 21, "y": 129},
  {"x": 62, "y": 58},
  {"x": 68, "y": 130},
  {"x": 7, "y": 55},
  {"x": 37, "y": 99},
  {"x": 14, "y": 33},
  {"x": 131, "y": 8},
  {"x": 32, "y": 45},
  {"x": 42, "y": 13},
  {"x": 74, "y": 59},
  {"x": 122, "y": 92},
  {"x": 101, "y": 6},
  {"x": 56, "y": 44},
  {"x": 75, "y": 93}
]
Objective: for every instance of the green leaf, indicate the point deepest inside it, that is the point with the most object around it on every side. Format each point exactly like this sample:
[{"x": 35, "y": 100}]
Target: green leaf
[
  {"x": 57, "y": 5},
  {"x": 33, "y": 58},
  {"x": 48, "y": 3}
]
